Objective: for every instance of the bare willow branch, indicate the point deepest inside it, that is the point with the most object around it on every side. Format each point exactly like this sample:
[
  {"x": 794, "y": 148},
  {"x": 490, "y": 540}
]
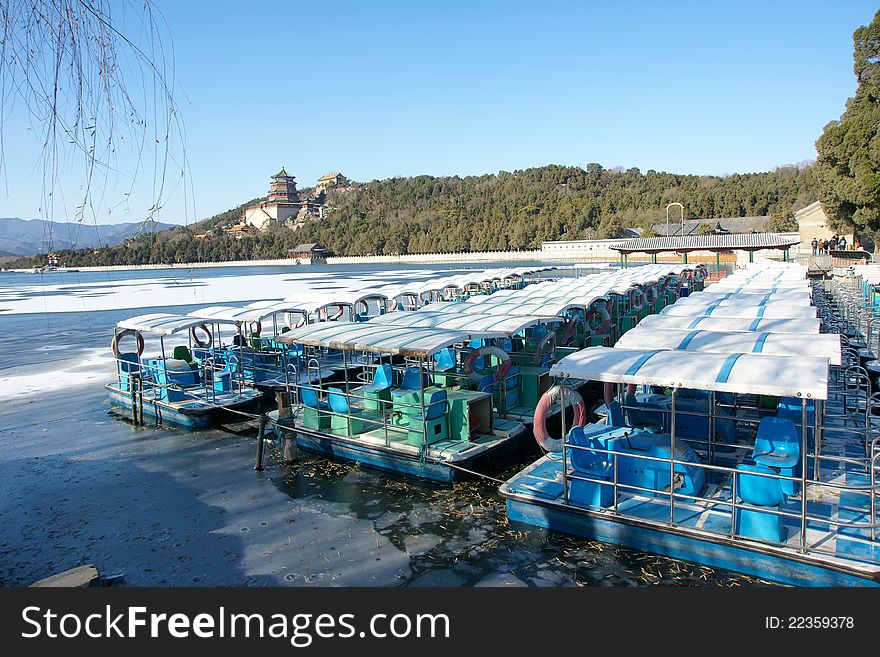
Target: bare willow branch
[{"x": 95, "y": 79}]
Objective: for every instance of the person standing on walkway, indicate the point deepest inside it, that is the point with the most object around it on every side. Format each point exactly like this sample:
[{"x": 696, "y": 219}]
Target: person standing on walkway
[{"x": 815, "y": 245}]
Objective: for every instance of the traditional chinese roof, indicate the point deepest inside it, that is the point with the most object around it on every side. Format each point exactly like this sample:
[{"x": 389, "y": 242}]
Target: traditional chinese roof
[{"x": 749, "y": 242}]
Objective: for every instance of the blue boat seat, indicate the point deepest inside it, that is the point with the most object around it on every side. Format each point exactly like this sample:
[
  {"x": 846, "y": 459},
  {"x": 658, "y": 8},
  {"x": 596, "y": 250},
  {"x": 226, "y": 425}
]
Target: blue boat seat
[
  {"x": 759, "y": 492},
  {"x": 592, "y": 436},
  {"x": 444, "y": 360},
  {"x": 598, "y": 467},
  {"x": 410, "y": 382},
  {"x": 347, "y": 420},
  {"x": 378, "y": 393},
  {"x": 309, "y": 397},
  {"x": 615, "y": 415},
  {"x": 644, "y": 419},
  {"x": 777, "y": 446},
  {"x": 382, "y": 380},
  {"x": 486, "y": 384},
  {"x": 129, "y": 363},
  {"x": 339, "y": 402},
  {"x": 178, "y": 372}
]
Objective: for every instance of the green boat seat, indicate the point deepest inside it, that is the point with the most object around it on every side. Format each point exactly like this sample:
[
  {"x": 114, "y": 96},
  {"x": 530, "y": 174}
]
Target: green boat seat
[{"x": 181, "y": 352}]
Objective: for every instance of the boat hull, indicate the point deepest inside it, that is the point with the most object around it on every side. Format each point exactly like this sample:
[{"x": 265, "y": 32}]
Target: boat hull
[
  {"x": 669, "y": 542},
  {"x": 191, "y": 417}
]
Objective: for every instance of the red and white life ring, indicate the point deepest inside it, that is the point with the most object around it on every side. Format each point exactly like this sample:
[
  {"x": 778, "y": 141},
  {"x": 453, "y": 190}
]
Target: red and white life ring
[
  {"x": 547, "y": 345},
  {"x": 393, "y": 304},
  {"x": 114, "y": 343},
  {"x": 290, "y": 324},
  {"x": 472, "y": 357},
  {"x": 651, "y": 291},
  {"x": 601, "y": 311},
  {"x": 362, "y": 303},
  {"x": 609, "y": 392},
  {"x": 636, "y": 293},
  {"x": 571, "y": 329},
  {"x": 326, "y": 315},
  {"x": 549, "y": 398},
  {"x": 194, "y": 336},
  {"x": 258, "y": 326},
  {"x": 700, "y": 274}
]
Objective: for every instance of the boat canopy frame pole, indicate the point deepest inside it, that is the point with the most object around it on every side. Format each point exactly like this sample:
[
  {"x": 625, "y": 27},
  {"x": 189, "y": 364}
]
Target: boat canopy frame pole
[{"x": 672, "y": 458}]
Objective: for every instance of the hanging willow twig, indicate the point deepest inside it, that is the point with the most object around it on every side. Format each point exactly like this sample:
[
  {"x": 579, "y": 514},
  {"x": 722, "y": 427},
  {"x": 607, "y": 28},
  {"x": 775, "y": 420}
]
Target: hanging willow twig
[{"x": 95, "y": 80}]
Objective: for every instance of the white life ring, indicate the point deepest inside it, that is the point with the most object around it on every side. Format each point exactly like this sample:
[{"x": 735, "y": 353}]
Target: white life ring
[
  {"x": 547, "y": 345},
  {"x": 114, "y": 343},
  {"x": 539, "y": 427},
  {"x": 209, "y": 339},
  {"x": 499, "y": 374}
]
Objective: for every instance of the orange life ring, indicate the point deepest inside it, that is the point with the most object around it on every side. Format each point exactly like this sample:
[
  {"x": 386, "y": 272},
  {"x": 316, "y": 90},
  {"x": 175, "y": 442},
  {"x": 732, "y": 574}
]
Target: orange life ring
[
  {"x": 114, "y": 343},
  {"x": 547, "y": 345},
  {"x": 195, "y": 336},
  {"x": 471, "y": 359},
  {"x": 539, "y": 427}
]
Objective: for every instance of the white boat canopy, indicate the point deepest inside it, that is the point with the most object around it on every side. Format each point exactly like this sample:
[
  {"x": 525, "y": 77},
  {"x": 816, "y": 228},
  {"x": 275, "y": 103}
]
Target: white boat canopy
[
  {"x": 543, "y": 308},
  {"x": 377, "y": 338},
  {"x": 730, "y": 342},
  {"x": 779, "y": 376},
  {"x": 771, "y": 311},
  {"x": 275, "y": 307},
  {"x": 780, "y": 292},
  {"x": 166, "y": 323},
  {"x": 805, "y": 325},
  {"x": 742, "y": 300},
  {"x": 496, "y": 325},
  {"x": 251, "y": 313}
]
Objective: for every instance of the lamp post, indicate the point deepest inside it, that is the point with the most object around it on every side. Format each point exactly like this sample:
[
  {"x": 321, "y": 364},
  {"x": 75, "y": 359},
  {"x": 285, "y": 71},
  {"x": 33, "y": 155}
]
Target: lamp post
[{"x": 681, "y": 207}]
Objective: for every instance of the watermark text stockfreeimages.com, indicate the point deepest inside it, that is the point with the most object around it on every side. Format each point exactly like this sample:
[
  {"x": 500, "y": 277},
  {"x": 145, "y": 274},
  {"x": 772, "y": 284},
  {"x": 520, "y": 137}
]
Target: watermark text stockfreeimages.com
[{"x": 300, "y": 629}]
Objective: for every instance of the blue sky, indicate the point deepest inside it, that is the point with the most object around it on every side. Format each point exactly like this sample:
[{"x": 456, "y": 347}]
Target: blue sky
[{"x": 378, "y": 89}]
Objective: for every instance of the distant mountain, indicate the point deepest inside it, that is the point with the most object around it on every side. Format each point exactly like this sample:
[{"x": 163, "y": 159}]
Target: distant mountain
[{"x": 19, "y": 237}]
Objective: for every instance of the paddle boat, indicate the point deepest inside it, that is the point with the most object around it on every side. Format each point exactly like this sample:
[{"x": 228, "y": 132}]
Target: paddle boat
[
  {"x": 254, "y": 351},
  {"x": 793, "y": 498},
  {"x": 188, "y": 382},
  {"x": 396, "y": 410},
  {"x": 514, "y": 352}
]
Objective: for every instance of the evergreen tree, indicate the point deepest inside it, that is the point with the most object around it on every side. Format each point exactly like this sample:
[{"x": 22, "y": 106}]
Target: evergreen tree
[{"x": 848, "y": 166}]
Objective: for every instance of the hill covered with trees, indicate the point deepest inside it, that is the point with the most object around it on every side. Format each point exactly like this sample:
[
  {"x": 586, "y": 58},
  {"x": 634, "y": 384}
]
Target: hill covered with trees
[{"x": 505, "y": 211}]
